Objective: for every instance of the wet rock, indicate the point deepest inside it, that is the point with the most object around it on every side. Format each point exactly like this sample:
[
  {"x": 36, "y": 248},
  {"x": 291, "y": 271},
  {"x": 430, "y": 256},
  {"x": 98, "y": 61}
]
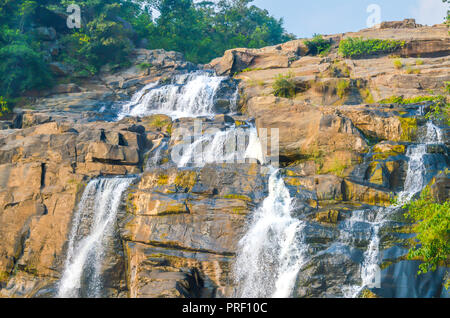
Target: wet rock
[{"x": 330, "y": 216}]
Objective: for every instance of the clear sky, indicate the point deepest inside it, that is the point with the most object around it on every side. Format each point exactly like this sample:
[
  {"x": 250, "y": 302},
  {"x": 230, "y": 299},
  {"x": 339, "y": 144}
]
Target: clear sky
[{"x": 306, "y": 17}]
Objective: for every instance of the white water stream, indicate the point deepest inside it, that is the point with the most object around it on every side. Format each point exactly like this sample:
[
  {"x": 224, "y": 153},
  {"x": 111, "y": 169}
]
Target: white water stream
[
  {"x": 92, "y": 228},
  {"x": 415, "y": 182}
]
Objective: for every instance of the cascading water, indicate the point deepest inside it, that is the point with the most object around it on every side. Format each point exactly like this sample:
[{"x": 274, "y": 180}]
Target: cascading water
[
  {"x": 92, "y": 229},
  {"x": 271, "y": 253},
  {"x": 187, "y": 95},
  {"x": 415, "y": 182}
]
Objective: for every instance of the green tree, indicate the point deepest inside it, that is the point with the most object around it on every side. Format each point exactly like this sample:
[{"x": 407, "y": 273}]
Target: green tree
[{"x": 432, "y": 225}]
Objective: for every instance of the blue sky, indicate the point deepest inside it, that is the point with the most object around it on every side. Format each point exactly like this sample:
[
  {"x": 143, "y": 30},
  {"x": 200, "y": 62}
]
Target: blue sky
[{"x": 306, "y": 17}]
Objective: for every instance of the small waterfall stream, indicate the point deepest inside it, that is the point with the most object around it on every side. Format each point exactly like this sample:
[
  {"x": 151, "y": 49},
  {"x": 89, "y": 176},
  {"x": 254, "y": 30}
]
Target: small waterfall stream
[
  {"x": 92, "y": 229},
  {"x": 415, "y": 182}
]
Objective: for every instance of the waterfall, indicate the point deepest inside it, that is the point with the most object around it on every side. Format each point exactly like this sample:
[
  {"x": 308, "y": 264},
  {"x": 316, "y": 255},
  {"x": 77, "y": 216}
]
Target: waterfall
[
  {"x": 271, "y": 252},
  {"x": 187, "y": 95},
  {"x": 92, "y": 228},
  {"x": 416, "y": 180}
]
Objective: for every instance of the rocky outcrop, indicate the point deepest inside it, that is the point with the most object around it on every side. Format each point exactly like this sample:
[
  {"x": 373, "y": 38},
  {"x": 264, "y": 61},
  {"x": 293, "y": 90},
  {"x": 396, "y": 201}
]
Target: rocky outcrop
[
  {"x": 43, "y": 171},
  {"x": 190, "y": 218},
  {"x": 343, "y": 158}
]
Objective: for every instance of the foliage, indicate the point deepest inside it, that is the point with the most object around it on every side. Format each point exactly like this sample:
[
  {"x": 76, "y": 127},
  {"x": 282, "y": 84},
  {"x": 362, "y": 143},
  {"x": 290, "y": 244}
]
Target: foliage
[
  {"x": 413, "y": 100},
  {"x": 23, "y": 69},
  {"x": 3, "y": 106},
  {"x": 284, "y": 86},
  {"x": 144, "y": 66},
  {"x": 433, "y": 231},
  {"x": 447, "y": 88},
  {"x": 205, "y": 30},
  {"x": 398, "y": 64},
  {"x": 342, "y": 88},
  {"x": 440, "y": 110},
  {"x": 110, "y": 29},
  {"x": 318, "y": 45},
  {"x": 358, "y": 47}
]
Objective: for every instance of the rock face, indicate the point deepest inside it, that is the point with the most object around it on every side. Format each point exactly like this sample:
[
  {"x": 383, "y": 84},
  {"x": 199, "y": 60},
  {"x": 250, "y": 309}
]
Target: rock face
[
  {"x": 343, "y": 160},
  {"x": 43, "y": 172},
  {"x": 188, "y": 219}
]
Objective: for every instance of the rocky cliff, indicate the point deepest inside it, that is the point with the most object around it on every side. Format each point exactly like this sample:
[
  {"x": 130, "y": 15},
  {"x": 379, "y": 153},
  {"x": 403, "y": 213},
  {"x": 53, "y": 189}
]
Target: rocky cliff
[{"x": 179, "y": 227}]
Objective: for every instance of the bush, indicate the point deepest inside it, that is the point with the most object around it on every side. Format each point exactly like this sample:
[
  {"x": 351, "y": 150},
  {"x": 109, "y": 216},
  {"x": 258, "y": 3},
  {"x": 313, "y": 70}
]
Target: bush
[
  {"x": 23, "y": 69},
  {"x": 413, "y": 100},
  {"x": 447, "y": 87},
  {"x": 358, "y": 47},
  {"x": 4, "y": 109},
  {"x": 398, "y": 64},
  {"x": 284, "y": 86},
  {"x": 318, "y": 45},
  {"x": 432, "y": 223},
  {"x": 440, "y": 110}
]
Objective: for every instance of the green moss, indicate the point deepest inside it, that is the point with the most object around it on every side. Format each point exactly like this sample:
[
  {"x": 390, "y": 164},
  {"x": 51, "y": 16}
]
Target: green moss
[
  {"x": 162, "y": 180},
  {"x": 239, "y": 211},
  {"x": 409, "y": 128},
  {"x": 337, "y": 167},
  {"x": 186, "y": 179},
  {"x": 367, "y": 96},
  {"x": 144, "y": 66},
  {"x": 130, "y": 206},
  {"x": 395, "y": 150},
  {"x": 413, "y": 100},
  {"x": 237, "y": 197},
  {"x": 4, "y": 276},
  {"x": 246, "y": 70},
  {"x": 342, "y": 88}
]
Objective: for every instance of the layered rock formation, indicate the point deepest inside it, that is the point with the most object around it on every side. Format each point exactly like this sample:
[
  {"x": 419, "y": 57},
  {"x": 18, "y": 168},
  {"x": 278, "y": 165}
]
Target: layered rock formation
[{"x": 343, "y": 156}]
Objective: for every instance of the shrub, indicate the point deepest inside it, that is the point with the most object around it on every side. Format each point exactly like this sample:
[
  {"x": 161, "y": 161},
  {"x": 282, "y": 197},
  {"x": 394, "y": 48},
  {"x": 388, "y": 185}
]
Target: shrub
[
  {"x": 358, "y": 47},
  {"x": 144, "y": 66},
  {"x": 22, "y": 69},
  {"x": 419, "y": 62},
  {"x": 413, "y": 100},
  {"x": 432, "y": 223},
  {"x": 4, "y": 109},
  {"x": 447, "y": 87},
  {"x": 398, "y": 64},
  {"x": 318, "y": 45},
  {"x": 284, "y": 86},
  {"x": 440, "y": 110},
  {"x": 409, "y": 69}
]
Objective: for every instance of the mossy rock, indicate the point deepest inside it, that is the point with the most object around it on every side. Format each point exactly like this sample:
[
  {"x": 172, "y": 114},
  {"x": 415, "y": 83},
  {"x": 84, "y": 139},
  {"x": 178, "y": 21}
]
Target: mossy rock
[
  {"x": 330, "y": 216},
  {"x": 237, "y": 197},
  {"x": 409, "y": 128}
]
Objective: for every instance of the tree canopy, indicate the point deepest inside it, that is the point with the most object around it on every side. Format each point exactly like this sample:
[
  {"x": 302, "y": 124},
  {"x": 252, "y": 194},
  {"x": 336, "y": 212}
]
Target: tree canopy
[{"x": 110, "y": 29}]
